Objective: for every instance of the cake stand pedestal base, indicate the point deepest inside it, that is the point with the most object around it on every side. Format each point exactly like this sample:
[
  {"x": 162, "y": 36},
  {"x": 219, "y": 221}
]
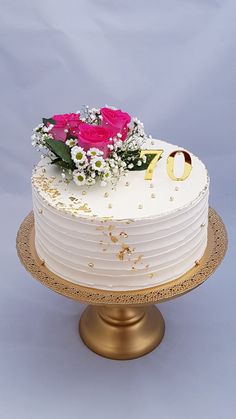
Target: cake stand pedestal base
[
  {"x": 124, "y": 332},
  {"x": 123, "y": 324}
]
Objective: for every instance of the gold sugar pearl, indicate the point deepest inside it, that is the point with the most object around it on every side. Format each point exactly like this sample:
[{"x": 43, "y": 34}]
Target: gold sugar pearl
[
  {"x": 110, "y": 206},
  {"x": 84, "y": 192},
  {"x": 90, "y": 265},
  {"x": 140, "y": 206},
  {"x": 44, "y": 170},
  {"x": 203, "y": 225},
  {"x": 153, "y": 195},
  {"x": 40, "y": 211},
  {"x": 151, "y": 185},
  {"x": 126, "y": 183},
  {"x": 176, "y": 188},
  {"x": 42, "y": 262},
  {"x": 123, "y": 234},
  {"x": 197, "y": 262},
  {"x": 106, "y": 194},
  {"x": 171, "y": 198}
]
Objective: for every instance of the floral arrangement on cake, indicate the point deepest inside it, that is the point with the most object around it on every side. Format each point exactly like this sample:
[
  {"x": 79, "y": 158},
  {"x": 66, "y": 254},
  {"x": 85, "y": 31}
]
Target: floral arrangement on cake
[{"x": 92, "y": 145}]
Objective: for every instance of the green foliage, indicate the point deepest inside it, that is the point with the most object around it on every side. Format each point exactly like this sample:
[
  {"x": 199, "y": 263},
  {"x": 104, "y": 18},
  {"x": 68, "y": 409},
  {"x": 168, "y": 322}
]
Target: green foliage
[
  {"x": 62, "y": 152},
  {"x": 49, "y": 121},
  {"x": 135, "y": 158},
  {"x": 145, "y": 165}
]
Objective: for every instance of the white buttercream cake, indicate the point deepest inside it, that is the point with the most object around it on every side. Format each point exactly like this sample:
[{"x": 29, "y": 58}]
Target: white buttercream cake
[{"x": 136, "y": 234}]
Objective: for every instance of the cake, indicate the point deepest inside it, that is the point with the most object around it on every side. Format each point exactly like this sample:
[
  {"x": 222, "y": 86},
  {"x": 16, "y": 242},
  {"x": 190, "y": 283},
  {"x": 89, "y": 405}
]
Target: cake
[{"x": 146, "y": 228}]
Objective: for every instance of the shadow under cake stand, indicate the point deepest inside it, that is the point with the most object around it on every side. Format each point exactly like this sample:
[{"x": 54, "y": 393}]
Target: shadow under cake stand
[{"x": 123, "y": 324}]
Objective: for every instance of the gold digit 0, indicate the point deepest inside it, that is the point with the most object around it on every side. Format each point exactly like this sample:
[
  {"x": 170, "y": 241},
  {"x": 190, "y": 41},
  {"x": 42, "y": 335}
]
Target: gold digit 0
[
  {"x": 152, "y": 164},
  {"x": 187, "y": 165}
]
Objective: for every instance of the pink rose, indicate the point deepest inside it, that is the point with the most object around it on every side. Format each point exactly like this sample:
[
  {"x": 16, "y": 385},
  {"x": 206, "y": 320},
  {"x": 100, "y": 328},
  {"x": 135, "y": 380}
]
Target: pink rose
[
  {"x": 94, "y": 136},
  {"x": 117, "y": 120},
  {"x": 67, "y": 121}
]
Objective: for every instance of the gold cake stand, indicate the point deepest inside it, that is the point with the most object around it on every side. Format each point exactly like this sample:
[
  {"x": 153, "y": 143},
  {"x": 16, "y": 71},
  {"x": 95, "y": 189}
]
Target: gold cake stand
[{"x": 123, "y": 324}]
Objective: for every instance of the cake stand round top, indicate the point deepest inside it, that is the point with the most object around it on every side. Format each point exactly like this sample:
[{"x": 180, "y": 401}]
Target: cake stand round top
[{"x": 215, "y": 251}]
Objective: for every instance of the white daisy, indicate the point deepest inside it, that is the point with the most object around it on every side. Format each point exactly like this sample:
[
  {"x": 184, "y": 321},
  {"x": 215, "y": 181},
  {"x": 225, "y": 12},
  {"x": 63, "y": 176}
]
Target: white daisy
[
  {"x": 98, "y": 163},
  {"x": 79, "y": 177},
  {"x": 82, "y": 164},
  {"x": 106, "y": 175},
  {"x": 78, "y": 154},
  {"x": 71, "y": 142},
  {"x": 93, "y": 152},
  {"x": 90, "y": 181}
]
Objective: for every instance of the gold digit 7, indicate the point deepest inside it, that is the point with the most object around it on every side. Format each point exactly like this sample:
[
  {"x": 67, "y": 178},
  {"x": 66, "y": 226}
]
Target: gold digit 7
[{"x": 153, "y": 162}]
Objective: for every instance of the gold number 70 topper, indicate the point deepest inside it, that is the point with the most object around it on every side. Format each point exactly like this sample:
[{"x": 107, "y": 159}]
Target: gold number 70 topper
[{"x": 169, "y": 164}]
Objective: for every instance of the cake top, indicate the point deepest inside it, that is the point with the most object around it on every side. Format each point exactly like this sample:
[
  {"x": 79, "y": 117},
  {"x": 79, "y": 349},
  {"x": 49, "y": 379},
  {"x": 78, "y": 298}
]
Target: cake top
[
  {"x": 133, "y": 197},
  {"x": 99, "y": 163}
]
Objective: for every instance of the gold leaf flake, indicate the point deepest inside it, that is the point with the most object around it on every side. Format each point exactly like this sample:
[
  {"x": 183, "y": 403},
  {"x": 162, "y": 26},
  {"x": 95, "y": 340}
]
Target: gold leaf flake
[
  {"x": 84, "y": 208},
  {"x": 113, "y": 238},
  {"x": 125, "y": 250},
  {"x": 100, "y": 228}
]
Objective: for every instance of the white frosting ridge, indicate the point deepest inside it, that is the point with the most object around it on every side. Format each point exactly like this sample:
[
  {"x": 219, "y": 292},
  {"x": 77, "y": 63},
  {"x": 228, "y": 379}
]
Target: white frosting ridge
[{"x": 122, "y": 247}]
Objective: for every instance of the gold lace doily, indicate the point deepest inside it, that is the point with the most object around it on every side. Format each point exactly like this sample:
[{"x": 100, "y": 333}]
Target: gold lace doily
[{"x": 216, "y": 248}]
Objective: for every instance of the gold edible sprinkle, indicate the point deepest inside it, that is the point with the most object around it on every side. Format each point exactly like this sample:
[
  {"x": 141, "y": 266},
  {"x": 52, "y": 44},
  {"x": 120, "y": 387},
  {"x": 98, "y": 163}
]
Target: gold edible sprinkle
[
  {"x": 113, "y": 238},
  {"x": 176, "y": 188},
  {"x": 124, "y": 250},
  {"x": 140, "y": 206},
  {"x": 84, "y": 208},
  {"x": 126, "y": 183},
  {"x": 106, "y": 194},
  {"x": 151, "y": 185},
  {"x": 44, "y": 170},
  {"x": 153, "y": 195},
  {"x": 171, "y": 198},
  {"x": 203, "y": 225},
  {"x": 100, "y": 228},
  {"x": 91, "y": 265},
  {"x": 84, "y": 192},
  {"x": 106, "y": 219},
  {"x": 123, "y": 234},
  {"x": 138, "y": 259},
  {"x": 42, "y": 262},
  {"x": 109, "y": 205},
  {"x": 40, "y": 211},
  {"x": 197, "y": 262}
]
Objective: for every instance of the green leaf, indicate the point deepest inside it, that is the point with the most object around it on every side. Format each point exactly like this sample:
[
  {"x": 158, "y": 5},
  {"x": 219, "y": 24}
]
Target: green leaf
[
  {"x": 145, "y": 165},
  {"x": 62, "y": 164},
  {"x": 61, "y": 150},
  {"x": 49, "y": 121}
]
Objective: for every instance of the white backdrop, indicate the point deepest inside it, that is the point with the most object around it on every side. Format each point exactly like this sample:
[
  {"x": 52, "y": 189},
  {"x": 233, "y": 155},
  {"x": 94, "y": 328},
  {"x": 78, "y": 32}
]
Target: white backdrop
[{"x": 171, "y": 63}]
